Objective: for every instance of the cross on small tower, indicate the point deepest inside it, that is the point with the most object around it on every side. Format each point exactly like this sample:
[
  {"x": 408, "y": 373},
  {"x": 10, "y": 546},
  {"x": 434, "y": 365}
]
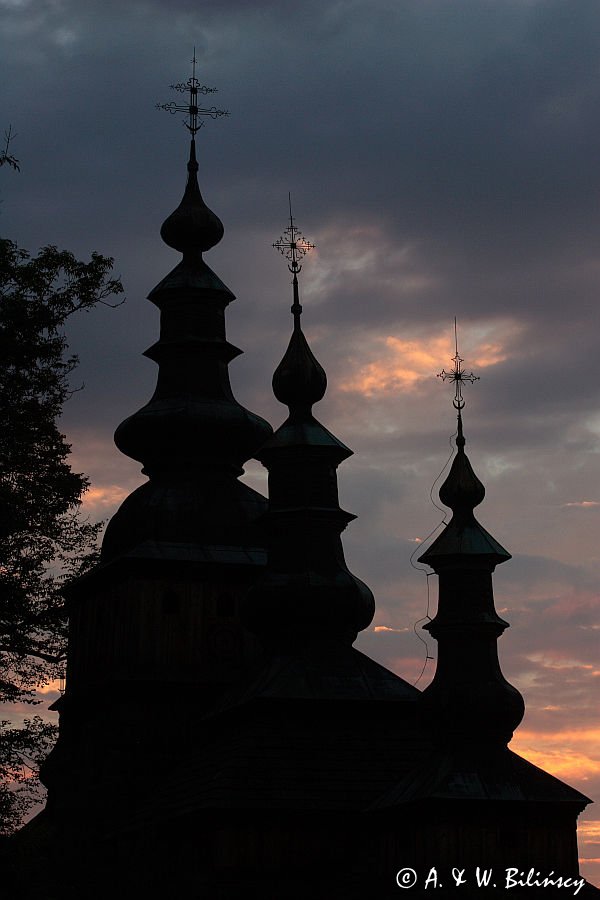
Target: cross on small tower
[
  {"x": 193, "y": 122},
  {"x": 457, "y": 375},
  {"x": 294, "y": 246}
]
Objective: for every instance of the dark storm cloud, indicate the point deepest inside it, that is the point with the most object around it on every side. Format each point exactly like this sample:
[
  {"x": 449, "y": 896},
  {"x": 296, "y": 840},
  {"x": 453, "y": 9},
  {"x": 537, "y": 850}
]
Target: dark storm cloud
[
  {"x": 464, "y": 133},
  {"x": 455, "y": 115}
]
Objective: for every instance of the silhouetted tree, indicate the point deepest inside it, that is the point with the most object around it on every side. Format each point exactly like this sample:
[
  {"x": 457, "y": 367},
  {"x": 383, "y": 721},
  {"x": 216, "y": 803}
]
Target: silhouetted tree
[
  {"x": 23, "y": 749},
  {"x": 43, "y": 537},
  {"x": 6, "y": 158}
]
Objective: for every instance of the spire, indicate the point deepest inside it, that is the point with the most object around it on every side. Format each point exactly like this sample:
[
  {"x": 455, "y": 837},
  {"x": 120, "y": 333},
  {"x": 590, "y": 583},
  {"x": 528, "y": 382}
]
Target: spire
[
  {"x": 469, "y": 700},
  {"x": 192, "y": 228},
  {"x": 293, "y": 246},
  {"x": 307, "y": 591},
  {"x": 462, "y": 490},
  {"x": 299, "y": 380},
  {"x": 192, "y": 437}
]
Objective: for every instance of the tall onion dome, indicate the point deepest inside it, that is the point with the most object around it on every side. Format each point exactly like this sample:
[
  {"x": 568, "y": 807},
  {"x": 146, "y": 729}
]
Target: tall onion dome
[
  {"x": 192, "y": 437},
  {"x": 469, "y": 700},
  {"x": 307, "y": 590}
]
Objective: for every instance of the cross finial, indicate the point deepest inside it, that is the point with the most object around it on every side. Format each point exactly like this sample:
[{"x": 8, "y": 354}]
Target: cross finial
[
  {"x": 294, "y": 246},
  {"x": 193, "y": 120},
  {"x": 457, "y": 375}
]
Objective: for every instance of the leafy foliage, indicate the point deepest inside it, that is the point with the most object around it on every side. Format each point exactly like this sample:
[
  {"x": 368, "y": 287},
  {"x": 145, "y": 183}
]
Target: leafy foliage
[
  {"x": 43, "y": 537},
  {"x": 23, "y": 749}
]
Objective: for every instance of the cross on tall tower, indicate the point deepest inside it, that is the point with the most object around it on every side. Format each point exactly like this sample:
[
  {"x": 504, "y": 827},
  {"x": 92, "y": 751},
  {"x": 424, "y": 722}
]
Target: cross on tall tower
[
  {"x": 194, "y": 122},
  {"x": 457, "y": 375}
]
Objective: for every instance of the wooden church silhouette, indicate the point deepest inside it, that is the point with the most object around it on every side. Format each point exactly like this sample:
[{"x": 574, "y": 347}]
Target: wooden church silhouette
[{"x": 220, "y": 737}]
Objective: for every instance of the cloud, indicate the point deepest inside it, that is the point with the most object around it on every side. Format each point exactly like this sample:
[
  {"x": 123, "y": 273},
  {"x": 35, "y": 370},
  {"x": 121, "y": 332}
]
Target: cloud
[
  {"x": 567, "y": 754},
  {"x": 105, "y": 497},
  {"x": 379, "y": 628},
  {"x": 582, "y": 504}
]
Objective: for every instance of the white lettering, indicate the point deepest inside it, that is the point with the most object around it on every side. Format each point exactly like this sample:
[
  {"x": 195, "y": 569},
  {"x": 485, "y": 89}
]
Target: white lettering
[
  {"x": 483, "y": 877},
  {"x": 457, "y": 874},
  {"x": 431, "y": 878}
]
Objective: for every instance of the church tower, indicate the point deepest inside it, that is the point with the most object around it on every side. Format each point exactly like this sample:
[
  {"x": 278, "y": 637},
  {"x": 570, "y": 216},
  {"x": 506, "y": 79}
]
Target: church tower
[
  {"x": 306, "y": 592},
  {"x": 276, "y": 797},
  {"x": 471, "y": 801},
  {"x": 155, "y": 628}
]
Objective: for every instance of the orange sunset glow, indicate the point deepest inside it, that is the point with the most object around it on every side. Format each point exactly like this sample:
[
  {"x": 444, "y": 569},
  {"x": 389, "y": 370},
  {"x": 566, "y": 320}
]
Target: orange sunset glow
[
  {"x": 573, "y": 756},
  {"x": 102, "y": 499},
  {"x": 398, "y": 365},
  {"x": 569, "y": 754}
]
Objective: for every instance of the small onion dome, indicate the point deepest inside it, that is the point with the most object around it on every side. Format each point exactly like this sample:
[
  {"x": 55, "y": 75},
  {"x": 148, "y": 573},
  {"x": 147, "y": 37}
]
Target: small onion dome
[
  {"x": 462, "y": 490},
  {"x": 192, "y": 226},
  {"x": 299, "y": 379},
  {"x": 463, "y": 536}
]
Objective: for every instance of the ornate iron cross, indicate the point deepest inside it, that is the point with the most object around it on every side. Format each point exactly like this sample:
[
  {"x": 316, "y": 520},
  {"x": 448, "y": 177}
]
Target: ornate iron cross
[
  {"x": 457, "y": 375},
  {"x": 193, "y": 121},
  {"x": 292, "y": 244}
]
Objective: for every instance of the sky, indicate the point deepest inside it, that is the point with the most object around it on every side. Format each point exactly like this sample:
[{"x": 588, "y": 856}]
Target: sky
[{"x": 443, "y": 157}]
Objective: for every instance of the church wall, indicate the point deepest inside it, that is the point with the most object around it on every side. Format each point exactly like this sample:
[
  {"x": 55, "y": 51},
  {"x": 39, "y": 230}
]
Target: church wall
[
  {"x": 168, "y": 629},
  {"x": 481, "y": 833}
]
